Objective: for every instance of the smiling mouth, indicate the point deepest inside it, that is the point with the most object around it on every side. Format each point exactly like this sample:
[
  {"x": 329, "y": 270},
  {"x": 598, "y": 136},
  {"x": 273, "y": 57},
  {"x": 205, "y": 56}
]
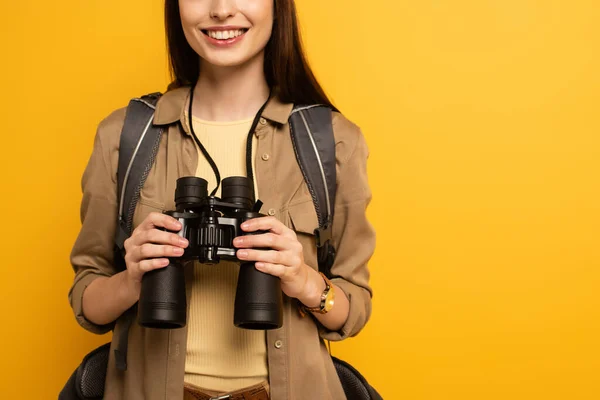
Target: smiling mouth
[{"x": 224, "y": 35}]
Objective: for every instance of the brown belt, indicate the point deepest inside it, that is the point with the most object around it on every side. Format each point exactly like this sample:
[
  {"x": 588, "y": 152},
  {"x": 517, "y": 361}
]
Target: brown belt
[{"x": 256, "y": 392}]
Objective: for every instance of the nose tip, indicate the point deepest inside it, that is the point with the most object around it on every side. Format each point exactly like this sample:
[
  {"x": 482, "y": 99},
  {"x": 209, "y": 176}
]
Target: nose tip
[{"x": 222, "y": 9}]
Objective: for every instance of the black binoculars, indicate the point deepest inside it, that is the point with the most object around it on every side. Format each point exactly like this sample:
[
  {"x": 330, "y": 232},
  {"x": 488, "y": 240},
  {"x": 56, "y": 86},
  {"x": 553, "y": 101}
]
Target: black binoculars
[{"x": 210, "y": 224}]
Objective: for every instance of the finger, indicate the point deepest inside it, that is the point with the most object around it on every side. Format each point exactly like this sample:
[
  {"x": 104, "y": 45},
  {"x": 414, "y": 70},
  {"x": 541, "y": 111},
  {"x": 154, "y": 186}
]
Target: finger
[
  {"x": 152, "y": 264},
  {"x": 265, "y": 224},
  {"x": 161, "y": 237},
  {"x": 277, "y": 270},
  {"x": 268, "y": 256},
  {"x": 159, "y": 220},
  {"x": 149, "y": 250},
  {"x": 265, "y": 240}
]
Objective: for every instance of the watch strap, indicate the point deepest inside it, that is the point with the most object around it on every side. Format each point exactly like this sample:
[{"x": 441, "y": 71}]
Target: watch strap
[{"x": 322, "y": 308}]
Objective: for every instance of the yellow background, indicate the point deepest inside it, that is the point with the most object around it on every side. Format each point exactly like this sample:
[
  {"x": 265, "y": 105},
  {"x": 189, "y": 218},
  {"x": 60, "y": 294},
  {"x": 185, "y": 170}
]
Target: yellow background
[{"x": 483, "y": 123}]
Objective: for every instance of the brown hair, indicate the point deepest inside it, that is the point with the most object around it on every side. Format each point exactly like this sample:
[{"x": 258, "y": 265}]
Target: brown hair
[{"x": 286, "y": 66}]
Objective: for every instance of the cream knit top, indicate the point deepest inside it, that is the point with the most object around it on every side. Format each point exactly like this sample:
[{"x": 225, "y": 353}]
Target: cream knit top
[{"x": 220, "y": 356}]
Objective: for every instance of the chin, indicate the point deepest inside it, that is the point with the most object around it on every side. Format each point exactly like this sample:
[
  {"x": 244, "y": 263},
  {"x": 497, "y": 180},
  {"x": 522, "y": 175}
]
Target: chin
[
  {"x": 226, "y": 62},
  {"x": 229, "y": 60}
]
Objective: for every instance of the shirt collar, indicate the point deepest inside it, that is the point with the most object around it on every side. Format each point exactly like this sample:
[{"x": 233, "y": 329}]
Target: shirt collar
[{"x": 171, "y": 107}]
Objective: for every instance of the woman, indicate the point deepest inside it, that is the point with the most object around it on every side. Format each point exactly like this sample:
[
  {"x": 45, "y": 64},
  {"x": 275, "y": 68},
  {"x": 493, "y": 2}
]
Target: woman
[{"x": 229, "y": 59}]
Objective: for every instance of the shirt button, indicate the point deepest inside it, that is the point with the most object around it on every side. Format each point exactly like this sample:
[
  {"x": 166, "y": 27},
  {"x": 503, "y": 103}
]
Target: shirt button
[
  {"x": 263, "y": 121},
  {"x": 271, "y": 211},
  {"x": 278, "y": 344},
  {"x": 265, "y": 157}
]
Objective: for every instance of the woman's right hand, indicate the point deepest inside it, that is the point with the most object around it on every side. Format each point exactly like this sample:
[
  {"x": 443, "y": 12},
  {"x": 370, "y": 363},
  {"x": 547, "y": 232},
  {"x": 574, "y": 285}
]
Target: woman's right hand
[{"x": 148, "y": 247}]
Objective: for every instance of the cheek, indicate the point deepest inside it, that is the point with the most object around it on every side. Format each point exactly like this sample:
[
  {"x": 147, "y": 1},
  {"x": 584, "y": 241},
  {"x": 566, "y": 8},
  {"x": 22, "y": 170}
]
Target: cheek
[
  {"x": 261, "y": 14},
  {"x": 264, "y": 36},
  {"x": 187, "y": 13},
  {"x": 191, "y": 15}
]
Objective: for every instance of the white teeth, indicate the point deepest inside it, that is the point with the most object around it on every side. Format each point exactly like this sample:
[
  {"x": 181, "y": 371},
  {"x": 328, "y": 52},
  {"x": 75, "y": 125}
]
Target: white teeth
[{"x": 224, "y": 35}]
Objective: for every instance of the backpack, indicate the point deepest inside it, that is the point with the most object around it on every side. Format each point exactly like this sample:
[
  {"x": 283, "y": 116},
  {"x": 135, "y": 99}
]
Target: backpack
[{"x": 311, "y": 130}]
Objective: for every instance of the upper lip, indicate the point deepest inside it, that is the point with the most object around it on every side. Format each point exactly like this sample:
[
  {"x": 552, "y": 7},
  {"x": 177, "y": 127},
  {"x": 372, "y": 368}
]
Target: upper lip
[{"x": 224, "y": 28}]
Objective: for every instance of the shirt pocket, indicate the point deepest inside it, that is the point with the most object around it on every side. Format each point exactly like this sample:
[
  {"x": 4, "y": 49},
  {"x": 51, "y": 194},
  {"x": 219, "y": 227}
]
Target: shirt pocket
[
  {"x": 144, "y": 207},
  {"x": 303, "y": 220}
]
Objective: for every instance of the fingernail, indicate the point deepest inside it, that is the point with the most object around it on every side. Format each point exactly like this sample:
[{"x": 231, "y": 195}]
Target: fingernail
[
  {"x": 178, "y": 250},
  {"x": 242, "y": 253},
  {"x": 238, "y": 240},
  {"x": 245, "y": 225},
  {"x": 183, "y": 242},
  {"x": 259, "y": 265}
]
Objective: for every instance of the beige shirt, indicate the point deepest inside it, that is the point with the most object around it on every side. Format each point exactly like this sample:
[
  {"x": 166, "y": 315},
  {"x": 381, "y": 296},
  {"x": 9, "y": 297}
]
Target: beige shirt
[
  {"x": 219, "y": 355},
  {"x": 300, "y": 366}
]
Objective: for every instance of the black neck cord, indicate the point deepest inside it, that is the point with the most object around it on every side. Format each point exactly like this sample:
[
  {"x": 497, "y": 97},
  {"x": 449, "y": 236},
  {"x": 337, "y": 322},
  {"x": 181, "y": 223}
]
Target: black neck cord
[
  {"x": 249, "y": 171},
  {"x": 212, "y": 163}
]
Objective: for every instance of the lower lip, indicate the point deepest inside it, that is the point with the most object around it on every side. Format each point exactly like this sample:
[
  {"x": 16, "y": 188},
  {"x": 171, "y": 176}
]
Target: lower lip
[{"x": 226, "y": 42}]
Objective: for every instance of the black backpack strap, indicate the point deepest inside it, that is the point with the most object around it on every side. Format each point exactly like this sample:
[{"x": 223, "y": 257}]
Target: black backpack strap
[
  {"x": 139, "y": 143},
  {"x": 311, "y": 129},
  {"x": 138, "y": 147}
]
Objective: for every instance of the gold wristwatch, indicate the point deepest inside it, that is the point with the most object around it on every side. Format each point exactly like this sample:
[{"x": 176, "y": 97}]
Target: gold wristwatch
[{"x": 327, "y": 299}]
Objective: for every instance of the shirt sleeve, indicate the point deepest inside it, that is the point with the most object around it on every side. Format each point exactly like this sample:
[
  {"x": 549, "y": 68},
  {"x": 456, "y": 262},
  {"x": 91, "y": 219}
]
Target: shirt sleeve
[
  {"x": 92, "y": 254},
  {"x": 353, "y": 235}
]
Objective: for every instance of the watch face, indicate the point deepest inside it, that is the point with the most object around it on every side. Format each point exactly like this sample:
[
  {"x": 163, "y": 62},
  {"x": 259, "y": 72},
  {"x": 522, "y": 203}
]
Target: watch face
[{"x": 329, "y": 300}]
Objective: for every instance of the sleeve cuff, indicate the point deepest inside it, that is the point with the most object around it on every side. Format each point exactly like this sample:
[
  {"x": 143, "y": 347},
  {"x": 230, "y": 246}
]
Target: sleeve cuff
[
  {"x": 358, "y": 315},
  {"x": 76, "y": 298}
]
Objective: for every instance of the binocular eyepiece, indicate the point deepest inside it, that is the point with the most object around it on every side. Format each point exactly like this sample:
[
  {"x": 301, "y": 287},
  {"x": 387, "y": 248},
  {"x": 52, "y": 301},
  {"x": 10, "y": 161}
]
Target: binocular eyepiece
[
  {"x": 210, "y": 224},
  {"x": 192, "y": 191}
]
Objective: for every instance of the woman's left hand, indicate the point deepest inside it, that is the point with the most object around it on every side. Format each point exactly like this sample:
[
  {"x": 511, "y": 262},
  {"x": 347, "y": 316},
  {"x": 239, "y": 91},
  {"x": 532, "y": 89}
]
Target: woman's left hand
[{"x": 285, "y": 259}]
